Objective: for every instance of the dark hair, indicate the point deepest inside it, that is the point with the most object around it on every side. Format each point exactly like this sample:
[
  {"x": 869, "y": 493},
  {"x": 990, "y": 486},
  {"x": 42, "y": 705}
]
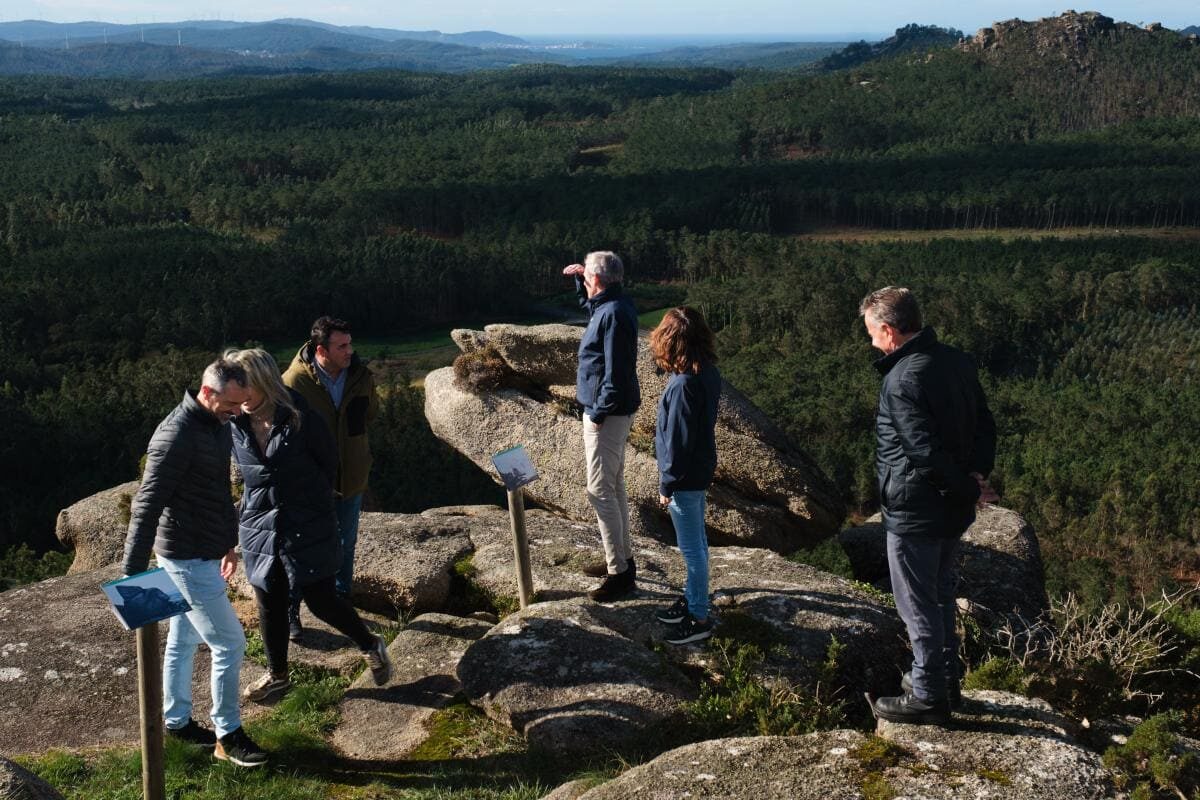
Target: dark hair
[
  {"x": 895, "y": 306},
  {"x": 683, "y": 342},
  {"x": 324, "y": 328}
]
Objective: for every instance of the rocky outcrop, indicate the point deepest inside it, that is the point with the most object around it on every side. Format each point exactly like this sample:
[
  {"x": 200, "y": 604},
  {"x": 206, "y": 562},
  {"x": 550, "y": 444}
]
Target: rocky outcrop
[
  {"x": 565, "y": 680},
  {"x": 767, "y": 493},
  {"x": 18, "y": 783},
  {"x": 798, "y": 608},
  {"x": 1006, "y": 751},
  {"x": 1072, "y": 38},
  {"x": 388, "y": 722},
  {"x": 1000, "y": 563},
  {"x": 95, "y": 527},
  {"x": 68, "y": 671}
]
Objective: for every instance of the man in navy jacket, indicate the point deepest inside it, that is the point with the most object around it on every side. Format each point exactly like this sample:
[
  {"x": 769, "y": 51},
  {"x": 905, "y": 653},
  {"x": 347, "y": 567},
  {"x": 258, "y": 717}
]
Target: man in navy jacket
[
  {"x": 935, "y": 445},
  {"x": 606, "y": 385}
]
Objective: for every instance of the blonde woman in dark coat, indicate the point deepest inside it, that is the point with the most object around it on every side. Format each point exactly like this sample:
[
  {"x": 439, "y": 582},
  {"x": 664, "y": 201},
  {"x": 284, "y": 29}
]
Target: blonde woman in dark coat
[{"x": 286, "y": 527}]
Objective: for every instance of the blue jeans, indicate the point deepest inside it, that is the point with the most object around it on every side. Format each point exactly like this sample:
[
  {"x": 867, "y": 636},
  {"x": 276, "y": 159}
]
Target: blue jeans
[
  {"x": 924, "y": 573},
  {"x": 347, "y": 510},
  {"x": 213, "y": 622},
  {"x": 687, "y": 513}
]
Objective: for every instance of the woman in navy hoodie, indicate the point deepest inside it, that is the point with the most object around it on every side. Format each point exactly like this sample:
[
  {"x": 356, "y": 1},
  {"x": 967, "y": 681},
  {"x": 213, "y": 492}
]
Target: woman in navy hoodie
[{"x": 686, "y": 447}]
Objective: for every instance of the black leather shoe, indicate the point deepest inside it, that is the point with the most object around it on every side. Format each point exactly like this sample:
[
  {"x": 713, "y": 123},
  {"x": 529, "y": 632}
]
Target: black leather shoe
[
  {"x": 614, "y": 587},
  {"x": 953, "y": 690},
  {"x": 907, "y": 708}
]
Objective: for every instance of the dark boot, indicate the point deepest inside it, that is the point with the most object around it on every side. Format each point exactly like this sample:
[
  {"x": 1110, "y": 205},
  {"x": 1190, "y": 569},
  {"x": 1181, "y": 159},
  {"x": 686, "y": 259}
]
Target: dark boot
[
  {"x": 953, "y": 690},
  {"x": 907, "y": 708},
  {"x": 614, "y": 587}
]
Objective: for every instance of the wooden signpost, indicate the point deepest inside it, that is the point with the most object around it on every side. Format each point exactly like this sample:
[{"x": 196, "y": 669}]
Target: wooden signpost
[
  {"x": 154, "y": 781},
  {"x": 516, "y": 470},
  {"x": 140, "y": 602}
]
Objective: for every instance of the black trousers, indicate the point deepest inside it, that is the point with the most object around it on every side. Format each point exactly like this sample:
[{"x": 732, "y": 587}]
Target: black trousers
[{"x": 322, "y": 599}]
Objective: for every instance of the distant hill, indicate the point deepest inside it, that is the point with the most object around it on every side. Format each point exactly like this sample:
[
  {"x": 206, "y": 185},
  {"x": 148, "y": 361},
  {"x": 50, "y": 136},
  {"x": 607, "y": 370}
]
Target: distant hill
[
  {"x": 285, "y": 35},
  {"x": 1192, "y": 30},
  {"x": 909, "y": 39},
  {"x": 153, "y": 61},
  {"x": 773, "y": 55},
  {"x": 467, "y": 38}
]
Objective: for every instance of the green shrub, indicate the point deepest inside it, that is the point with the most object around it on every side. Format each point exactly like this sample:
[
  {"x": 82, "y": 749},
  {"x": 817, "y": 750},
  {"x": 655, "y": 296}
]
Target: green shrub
[
  {"x": 999, "y": 674},
  {"x": 1153, "y": 758},
  {"x": 20, "y": 565},
  {"x": 828, "y": 556},
  {"x": 742, "y": 699}
]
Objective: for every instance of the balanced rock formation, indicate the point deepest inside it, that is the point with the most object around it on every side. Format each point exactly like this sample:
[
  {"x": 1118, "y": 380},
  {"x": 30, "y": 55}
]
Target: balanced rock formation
[
  {"x": 767, "y": 493},
  {"x": 95, "y": 527},
  {"x": 1000, "y": 563},
  {"x": 1006, "y": 751},
  {"x": 387, "y": 722},
  {"x": 18, "y": 783},
  {"x": 68, "y": 670}
]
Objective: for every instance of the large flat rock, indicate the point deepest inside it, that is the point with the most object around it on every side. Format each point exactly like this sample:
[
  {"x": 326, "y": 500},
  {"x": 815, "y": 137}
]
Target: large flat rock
[
  {"x": 1020, "y": 742},
  {"x": 387, "y": 722},
  {"x": 68, "y": 670},
  {"x": 1003, "y": 748}
]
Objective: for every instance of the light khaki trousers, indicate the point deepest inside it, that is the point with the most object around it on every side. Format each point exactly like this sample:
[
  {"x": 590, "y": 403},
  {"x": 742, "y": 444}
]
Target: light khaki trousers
[{"x": 604, "y": 452}]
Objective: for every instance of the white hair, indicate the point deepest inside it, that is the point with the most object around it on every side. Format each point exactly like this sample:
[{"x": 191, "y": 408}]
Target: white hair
[{"x": 605, "y": 265}]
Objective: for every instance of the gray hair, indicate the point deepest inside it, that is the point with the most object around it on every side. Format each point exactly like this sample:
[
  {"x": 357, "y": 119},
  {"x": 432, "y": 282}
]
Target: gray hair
[
  {"x": 605, "y": 265},
  {"x": 219, "y": 373},
  {"x": 894, "y": 306}
]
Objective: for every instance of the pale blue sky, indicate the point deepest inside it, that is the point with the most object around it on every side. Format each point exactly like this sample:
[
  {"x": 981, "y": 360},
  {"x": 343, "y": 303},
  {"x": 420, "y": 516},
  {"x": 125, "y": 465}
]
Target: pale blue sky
[{"x": 788, "y": 18}]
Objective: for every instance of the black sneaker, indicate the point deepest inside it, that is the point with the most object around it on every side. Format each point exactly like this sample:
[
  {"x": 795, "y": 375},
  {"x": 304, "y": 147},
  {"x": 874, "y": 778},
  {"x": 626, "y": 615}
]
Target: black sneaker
[
  {"x": 953, "y": 690},
  {"x": 690, "y": 630},
  {"x": 239, "y": 748},
  {"x": 193, "y": 733},
  {"x": 378, "y": 662},
  {"x": 631, "y": 568},
  {"x": 674, "y": 613},
  {"x": 909, "y": 709},
  {"x": 614, "y": 587},
  {"x": 295, "y": 629}
]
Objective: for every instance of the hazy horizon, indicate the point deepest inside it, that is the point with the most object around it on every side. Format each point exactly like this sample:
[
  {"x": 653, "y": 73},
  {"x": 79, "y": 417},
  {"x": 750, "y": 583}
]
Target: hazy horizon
[{"x": 752, "y": 20}]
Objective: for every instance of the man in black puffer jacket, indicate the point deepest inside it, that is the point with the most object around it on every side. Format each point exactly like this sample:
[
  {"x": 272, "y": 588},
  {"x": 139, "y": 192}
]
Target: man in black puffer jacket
[
  {"x": 184, "y": 507},
  {"x": 935, "y": 445}
]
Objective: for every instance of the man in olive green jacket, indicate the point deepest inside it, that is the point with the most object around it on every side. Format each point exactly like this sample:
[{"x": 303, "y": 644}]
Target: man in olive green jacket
[{"x": 341, "y": 389}]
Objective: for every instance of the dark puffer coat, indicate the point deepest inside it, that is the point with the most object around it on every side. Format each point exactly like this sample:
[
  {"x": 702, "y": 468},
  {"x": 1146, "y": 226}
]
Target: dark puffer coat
[
  {"x": 933, "y": 429},
  {"x": 184, "y": 507},
  {"x": 287, "y": 507}
]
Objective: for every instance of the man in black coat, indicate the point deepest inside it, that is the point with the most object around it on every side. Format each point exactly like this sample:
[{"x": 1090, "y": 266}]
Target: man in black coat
[
  {"x": 935, "y": 445},
  {"x": 184, "y": 508}
]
